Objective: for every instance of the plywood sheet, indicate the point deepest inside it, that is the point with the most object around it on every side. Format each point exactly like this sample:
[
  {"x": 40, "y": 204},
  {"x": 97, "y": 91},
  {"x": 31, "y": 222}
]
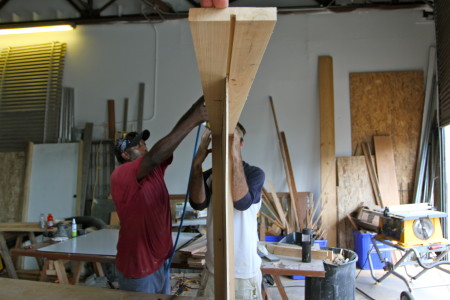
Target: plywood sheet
[
  {"x": 354, "y": 190},
  {"x": 12, "y": 174},
  {"x": 390, "y": 103}
]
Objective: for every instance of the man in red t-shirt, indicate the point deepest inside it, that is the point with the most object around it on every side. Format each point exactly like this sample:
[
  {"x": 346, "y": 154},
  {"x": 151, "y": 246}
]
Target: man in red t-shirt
[{"x": 142, "y": 202}]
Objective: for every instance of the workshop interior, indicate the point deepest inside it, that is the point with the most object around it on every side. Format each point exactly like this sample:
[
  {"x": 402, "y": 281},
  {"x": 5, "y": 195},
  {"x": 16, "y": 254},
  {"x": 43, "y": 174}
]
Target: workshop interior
[{"x": 345, "y": 104}]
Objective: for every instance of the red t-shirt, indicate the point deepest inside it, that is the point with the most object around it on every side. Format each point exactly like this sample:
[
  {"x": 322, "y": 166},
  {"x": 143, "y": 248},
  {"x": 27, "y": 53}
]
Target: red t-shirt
[{"x": 145, "y": 236}]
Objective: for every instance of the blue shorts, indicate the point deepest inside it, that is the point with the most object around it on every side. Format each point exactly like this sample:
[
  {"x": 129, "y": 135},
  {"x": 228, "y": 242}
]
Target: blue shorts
[{"x": 155, "y": 283}]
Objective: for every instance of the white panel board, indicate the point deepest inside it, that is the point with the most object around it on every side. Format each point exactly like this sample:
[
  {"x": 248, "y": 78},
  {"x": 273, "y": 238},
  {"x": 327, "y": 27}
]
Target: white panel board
[
  {"x": 53, "y": 181},
  {"x": 103, "y": 242}
]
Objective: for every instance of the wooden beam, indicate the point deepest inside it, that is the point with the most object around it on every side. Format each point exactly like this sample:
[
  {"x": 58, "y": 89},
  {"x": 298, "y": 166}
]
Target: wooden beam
[
  {"x": 372, "y": 174},
  {"x": 86, "y": 160},
  {"x": 140, "y": 111},
  {"x": 111, "y": 120},
  {"x": 222, "y": 212},
  {"x": 229, "y": 45},
  {"x": 125, "y": 115},
  {"x": 296, "y": 251},
  {"x": 230, "y": 42},
  {"x": 27, "y": 182},
  {"x": 294, "y": 210},
  {"x": 255, "y": 25},
  {"x": 327, "y": 148}
]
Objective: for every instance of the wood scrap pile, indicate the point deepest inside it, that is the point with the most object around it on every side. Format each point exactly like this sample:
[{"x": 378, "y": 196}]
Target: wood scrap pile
[
  {"x": 365, "y": 182},
  {"x": 291, "y": 212},
  {"x": 275, "y": 216},
  {"x": 195, "y": 252}
]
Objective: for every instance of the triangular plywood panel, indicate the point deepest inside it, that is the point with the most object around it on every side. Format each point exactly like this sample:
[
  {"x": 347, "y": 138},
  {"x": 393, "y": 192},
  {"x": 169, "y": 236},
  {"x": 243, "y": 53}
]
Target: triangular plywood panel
[{"x": 229, "y": 43}]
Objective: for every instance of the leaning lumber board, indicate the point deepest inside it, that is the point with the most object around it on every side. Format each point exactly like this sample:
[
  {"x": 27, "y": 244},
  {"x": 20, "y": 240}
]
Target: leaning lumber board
[
  {"x": 296, "y": 251},
  {"x": 387, "y": 177},
  {"x": 195, "y": 245},
  {"x": 372, "y": 174},
  {"x": 327, "y": 148}
]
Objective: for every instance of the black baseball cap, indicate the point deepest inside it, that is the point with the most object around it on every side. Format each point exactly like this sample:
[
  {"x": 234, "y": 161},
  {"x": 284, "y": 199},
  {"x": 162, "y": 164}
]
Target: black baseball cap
[{"x": 130, "y": 140}]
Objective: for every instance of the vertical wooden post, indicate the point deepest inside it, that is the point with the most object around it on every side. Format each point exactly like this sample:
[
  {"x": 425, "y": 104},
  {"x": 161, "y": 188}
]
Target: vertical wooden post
[
  {"x": 223, "y": 227},
  {"x": 327, "y": 149},
  {"x": 27, "y": 183},
  {"x": 111, "y": 120}
]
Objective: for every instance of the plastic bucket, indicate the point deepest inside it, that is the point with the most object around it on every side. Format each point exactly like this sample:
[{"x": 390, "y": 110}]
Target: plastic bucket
[{"x": 339, "y": 281}]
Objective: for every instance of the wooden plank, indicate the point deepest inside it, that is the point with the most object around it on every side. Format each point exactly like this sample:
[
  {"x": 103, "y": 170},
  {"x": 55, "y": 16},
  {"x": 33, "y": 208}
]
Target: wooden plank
[
  {"x": 125, "y": 115},
  {"x": 278, "y": 207},
  {"x": 223, "y": 227},
  {"x": 372, "y": 175},
  {"x": 390, "y": 103},
  {"x": 26, "y": 289},
  {"x": 384, "y": 157},
  {"x": 255, "y": 25},
  {"x": 140, "y": 111},
  {"x": 87, "y": 142},
  {"x": 229, "y": 42},
  {"x": 4, "y": 252},
  {"x": 293, "y": 221},
  {"x": 211, "y": 35},
  {"x": 327, "y": 149},
  {"x": 296, "y": 251},
  {"x": 111, "y": 120},
  {"x": 79, "y": 203},
  {"x": 294, "y": 210},
  {"x": 27, "y": 181}
]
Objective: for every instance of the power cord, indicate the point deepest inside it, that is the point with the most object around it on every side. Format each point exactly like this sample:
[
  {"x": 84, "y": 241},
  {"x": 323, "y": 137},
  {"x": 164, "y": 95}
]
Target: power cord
[{"x": 185, "y": 201}]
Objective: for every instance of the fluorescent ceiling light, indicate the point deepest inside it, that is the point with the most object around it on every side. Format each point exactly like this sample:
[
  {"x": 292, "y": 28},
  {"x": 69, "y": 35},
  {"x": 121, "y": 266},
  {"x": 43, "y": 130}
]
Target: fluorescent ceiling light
[{"x": 36, "y": 29}]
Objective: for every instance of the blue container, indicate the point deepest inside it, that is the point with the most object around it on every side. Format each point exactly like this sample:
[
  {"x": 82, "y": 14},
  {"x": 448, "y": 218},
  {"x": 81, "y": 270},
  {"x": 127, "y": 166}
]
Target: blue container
[
  {"x": 363, "y": 244},
  {"x": 321, "y": 243},
  {"x": 274, "y": 238}
]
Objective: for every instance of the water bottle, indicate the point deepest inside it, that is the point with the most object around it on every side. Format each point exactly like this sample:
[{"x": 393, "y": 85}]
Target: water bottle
[
  {"x": 42, "y": 221},
  {"x": 74, "y": 228}
]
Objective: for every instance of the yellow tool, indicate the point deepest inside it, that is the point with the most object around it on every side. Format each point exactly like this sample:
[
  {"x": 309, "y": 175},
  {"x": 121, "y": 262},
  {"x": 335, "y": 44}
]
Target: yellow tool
[{"x": 412, "y": 225}]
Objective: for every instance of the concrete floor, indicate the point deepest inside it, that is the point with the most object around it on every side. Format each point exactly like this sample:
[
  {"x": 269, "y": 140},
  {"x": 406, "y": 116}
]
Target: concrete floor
[{"x": 389, "y": 289}]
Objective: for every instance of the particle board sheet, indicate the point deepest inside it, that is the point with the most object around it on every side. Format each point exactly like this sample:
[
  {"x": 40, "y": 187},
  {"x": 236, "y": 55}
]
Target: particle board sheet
[
  {"x": 12, "y": 176},
  {"x": 390, "y": 103},
  {"x": 354, "y": 190},
  {"x": 384, "y": 158}
]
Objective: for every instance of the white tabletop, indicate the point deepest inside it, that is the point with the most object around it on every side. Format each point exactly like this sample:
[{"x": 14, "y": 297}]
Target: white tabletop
[{"x": 102, "y": 242}]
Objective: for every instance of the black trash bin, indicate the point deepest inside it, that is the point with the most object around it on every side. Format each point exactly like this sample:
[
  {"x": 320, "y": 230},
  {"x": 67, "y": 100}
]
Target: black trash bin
[{"x": 339, "y": 281}]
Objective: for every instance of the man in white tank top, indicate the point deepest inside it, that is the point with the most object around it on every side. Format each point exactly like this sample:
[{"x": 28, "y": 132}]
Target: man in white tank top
[{"x": 246, "y": 195}]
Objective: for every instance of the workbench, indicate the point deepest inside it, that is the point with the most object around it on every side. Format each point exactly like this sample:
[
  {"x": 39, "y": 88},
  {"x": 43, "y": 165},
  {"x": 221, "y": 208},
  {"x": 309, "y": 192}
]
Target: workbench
[
  {"x": 292, "y": 266},
  {"x": 96, "y": 247},
  {"x": 100, "y": 247},
  {"x": 17, "y": 230},
  {"x": 14, "y": 289}
]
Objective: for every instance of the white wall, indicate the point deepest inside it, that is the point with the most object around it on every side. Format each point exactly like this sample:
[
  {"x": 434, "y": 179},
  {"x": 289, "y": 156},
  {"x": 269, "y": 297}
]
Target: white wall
[{"x": 109, "y": 61}]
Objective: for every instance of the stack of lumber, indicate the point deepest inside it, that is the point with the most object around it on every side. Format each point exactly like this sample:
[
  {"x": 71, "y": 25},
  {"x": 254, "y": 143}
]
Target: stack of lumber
[
  {"x": 296, "y": 251},
  {"x": 195, "y": 252},
  {"x": 365, "y": 181}
]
